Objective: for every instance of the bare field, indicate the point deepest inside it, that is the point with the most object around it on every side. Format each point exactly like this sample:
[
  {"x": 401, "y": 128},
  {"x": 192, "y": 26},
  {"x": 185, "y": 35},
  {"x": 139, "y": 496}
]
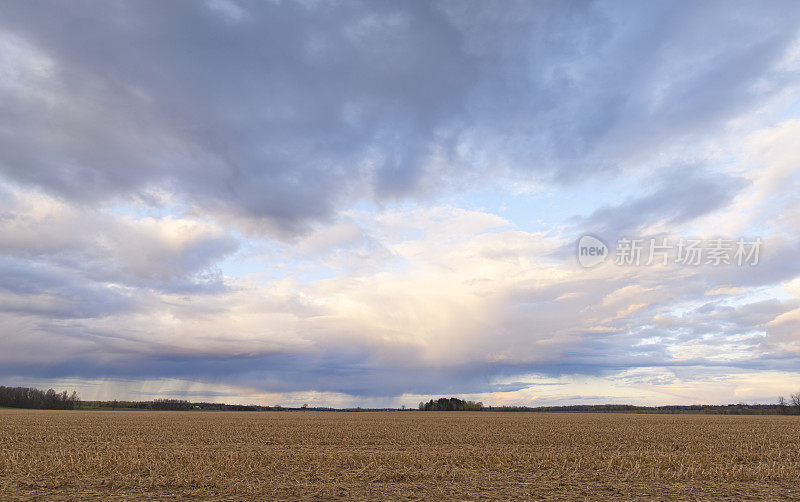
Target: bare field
[{"x": 73, "y": 455}]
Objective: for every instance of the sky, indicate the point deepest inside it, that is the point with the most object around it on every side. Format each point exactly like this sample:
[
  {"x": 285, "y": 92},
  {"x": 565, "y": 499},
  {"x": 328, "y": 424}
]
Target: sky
[{"x": 373, "y": 204}]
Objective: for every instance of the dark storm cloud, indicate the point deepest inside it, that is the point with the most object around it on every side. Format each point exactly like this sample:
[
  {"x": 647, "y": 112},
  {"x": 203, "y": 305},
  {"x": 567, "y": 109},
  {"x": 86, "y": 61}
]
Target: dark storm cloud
[
  {"x": 356, "y": 374},
  {"x": 287, "y": 372},
  {"x": 280, "y": 113}
]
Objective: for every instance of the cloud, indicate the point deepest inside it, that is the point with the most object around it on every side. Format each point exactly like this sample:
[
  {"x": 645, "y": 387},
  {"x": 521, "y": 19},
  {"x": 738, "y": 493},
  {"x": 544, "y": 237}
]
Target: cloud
[
  {"x": 145, "y": 251},
  {"x": 273, "y": 121},
  {"x": 607, "y": 87},
  {"x": 461, "y": 302},
  {"x": 48, "y": 291},
  {"x": 276, "y": 115},
  {"x": 681, "y": 195}
]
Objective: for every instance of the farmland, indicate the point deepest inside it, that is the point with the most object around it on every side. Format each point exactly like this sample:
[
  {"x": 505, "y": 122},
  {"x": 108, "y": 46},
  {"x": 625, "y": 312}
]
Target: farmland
[{"x": 66, "y": 455}]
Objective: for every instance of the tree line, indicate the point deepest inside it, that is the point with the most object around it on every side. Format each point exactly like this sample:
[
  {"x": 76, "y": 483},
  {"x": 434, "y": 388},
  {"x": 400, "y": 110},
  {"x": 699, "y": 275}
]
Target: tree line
[
  {"x": 27, "y": 397},
  {"x": 792, "y": 406},
  {"x": 784, "y": 406},
  {"x": 451, "y": 404}
]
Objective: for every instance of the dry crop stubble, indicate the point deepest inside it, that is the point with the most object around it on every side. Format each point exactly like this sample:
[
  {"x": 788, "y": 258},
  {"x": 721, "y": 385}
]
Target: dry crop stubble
[{"x": 289, "y": 455}]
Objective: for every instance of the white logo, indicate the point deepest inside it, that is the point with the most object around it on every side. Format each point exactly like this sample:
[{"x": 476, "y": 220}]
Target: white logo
[{"x": 591, "y": 251}]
